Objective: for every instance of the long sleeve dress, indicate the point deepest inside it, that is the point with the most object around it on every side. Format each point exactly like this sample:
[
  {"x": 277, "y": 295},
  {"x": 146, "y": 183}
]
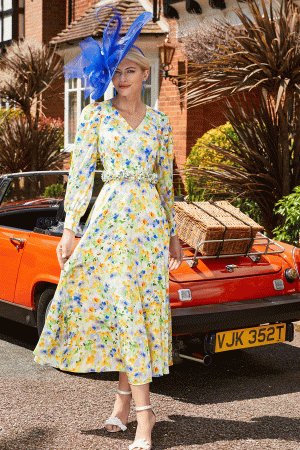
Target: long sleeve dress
[{"x": 111, "y": 309}]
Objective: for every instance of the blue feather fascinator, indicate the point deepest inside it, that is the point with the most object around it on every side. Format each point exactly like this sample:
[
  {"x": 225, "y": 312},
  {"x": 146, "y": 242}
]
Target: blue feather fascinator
[{"x": 97, "y": 63}]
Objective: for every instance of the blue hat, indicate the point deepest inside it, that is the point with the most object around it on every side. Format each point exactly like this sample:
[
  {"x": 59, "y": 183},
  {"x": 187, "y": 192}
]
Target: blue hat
[{"x": 97, "y": 63}]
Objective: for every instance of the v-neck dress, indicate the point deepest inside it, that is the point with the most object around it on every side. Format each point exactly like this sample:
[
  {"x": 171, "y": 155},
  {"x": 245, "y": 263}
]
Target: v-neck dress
[{"x": 111, "y": 309}]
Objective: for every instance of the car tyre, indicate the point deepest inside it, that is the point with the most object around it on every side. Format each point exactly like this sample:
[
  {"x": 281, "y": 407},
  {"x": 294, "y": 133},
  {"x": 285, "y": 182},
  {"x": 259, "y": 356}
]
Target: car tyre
[{"x": 43, "y": 308}]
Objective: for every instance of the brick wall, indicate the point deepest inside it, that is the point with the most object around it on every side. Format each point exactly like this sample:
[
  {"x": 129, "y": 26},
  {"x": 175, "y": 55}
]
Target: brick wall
[
  {"x": 44, "y": 19},
  {"x": 188, "y": 124},
  {"x": 54, "y": 18},
  {"x": 173, "y": 104},
  {"x": 201, "y": 119},
  {"x": 34, "y": 19},
  {"x": 53, "y": 100},
  {"x": 80, "y": 6}
]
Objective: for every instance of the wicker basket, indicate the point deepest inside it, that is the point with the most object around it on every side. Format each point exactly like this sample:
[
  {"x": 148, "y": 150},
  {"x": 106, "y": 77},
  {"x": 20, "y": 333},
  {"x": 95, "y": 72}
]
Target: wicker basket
[{"x": 207, "y": 221}]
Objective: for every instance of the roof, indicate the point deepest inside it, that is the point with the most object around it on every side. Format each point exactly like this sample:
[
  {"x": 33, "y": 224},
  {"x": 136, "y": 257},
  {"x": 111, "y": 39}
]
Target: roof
[{"x": 88, "y": 24}]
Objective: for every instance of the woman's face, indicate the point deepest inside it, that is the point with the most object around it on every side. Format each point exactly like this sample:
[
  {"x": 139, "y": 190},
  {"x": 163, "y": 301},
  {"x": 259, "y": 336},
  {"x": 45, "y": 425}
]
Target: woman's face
[{"x": 128, "y": 78}]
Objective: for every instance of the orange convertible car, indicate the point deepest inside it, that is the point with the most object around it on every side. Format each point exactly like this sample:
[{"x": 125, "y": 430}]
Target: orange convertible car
[{"x": 218, "y": 304}]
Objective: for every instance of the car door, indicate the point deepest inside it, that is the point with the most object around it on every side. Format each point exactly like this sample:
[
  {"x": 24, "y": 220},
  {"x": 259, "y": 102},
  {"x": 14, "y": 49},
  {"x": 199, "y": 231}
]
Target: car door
[{"x": 12, "y": 244}]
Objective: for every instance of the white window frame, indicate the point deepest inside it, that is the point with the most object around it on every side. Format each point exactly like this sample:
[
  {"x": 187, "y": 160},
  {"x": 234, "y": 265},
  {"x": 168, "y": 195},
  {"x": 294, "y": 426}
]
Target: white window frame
[
  {"x": 154, "y": 63},
  {"x": 6, "y": 13},
  {"x": 107, "y": 95},
  {"x": 6, "y": 105}
]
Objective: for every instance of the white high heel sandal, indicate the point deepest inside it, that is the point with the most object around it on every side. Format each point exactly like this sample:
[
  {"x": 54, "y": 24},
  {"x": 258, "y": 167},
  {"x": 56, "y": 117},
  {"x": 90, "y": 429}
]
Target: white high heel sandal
[
  {"x": 113, "y": 420},
  {"x": 142, "y": 442}
]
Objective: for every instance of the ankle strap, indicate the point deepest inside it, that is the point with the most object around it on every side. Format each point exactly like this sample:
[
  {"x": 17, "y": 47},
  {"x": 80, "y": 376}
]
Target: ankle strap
[
  {"x": 123, "y": 392},
  {"x": 141, "y": 408}
]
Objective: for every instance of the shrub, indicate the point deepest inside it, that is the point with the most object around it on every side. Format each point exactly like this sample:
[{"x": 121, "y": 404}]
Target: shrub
[
  {"x": 55, "y": 126},
  {"x": 248, "y": 207},
  {"x": 289, "y": 208},
  {"x": 201, "y": 156},
  {"x": 55, "y": 191},
  {"x": 24, "y": 147},
  {"x": 8, "y": 114}
]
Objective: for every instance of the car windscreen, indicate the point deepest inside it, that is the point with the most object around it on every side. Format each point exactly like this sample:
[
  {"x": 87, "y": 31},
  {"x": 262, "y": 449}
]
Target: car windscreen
[
  {"x": 35, "y": 190},
  {"x": 4, "y": 184}
]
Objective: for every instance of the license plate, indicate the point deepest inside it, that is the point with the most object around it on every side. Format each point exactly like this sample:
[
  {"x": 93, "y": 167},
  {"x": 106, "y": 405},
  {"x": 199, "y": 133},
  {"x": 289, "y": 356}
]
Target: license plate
[{"x": 250, "y": 337}]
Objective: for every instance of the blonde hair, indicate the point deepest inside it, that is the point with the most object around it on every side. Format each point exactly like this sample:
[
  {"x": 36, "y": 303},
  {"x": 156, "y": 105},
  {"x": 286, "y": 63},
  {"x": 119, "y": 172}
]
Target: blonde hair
[{"x": 136, "y": 56}]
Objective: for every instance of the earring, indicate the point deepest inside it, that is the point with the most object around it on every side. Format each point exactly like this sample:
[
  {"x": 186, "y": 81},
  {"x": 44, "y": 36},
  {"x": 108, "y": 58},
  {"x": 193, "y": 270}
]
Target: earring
[{"x": 144, "y": 82}]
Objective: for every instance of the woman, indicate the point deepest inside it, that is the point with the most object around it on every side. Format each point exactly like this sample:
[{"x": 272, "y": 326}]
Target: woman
[{"x": 111, "y": 308}]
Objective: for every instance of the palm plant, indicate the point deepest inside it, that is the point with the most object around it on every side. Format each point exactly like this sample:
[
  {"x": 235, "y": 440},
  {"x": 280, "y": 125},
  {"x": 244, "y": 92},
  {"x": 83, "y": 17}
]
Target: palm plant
[
  {"x": 260, "y": 58},
  {"x": 264, "y": 52},
  {"x": 256, "y": 169},
  {"x": 18, "y": 139},
  {"x": 27, "y": 72}
]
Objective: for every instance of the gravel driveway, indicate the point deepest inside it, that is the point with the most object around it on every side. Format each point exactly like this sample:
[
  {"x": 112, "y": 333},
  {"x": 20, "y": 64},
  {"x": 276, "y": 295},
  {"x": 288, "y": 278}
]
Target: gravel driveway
[{"x": 246, "y": 400}]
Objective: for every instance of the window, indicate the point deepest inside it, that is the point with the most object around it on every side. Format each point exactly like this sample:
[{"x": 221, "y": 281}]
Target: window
[
  {"x": 4, "y": 104},
  {"x": 151, "y": 87},
  {"x": 147, "y": 95},
  {"x": 11, "y": 21},
  {"x": 75, "y": 101}
]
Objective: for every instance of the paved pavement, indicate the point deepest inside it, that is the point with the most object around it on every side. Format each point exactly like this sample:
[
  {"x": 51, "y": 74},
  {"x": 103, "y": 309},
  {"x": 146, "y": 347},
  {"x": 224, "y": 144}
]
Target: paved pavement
[{"x": 247, "y": 400}]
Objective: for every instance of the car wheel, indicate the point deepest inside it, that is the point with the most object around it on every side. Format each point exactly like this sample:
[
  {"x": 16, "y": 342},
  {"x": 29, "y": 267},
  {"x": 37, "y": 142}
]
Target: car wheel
[{"x": 43, "y": 308}]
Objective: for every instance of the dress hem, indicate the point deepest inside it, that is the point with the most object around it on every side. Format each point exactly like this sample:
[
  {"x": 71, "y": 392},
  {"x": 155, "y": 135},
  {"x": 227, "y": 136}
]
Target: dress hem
[{"x": 40, "y": 361}]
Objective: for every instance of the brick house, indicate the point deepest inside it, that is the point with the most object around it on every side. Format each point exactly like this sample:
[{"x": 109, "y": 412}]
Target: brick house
[{"x": 64, "y": 23}]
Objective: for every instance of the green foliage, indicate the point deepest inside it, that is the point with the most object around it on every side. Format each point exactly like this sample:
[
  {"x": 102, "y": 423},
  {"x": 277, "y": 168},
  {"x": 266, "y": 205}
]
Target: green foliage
[
  {"x": 177, "y": 188},
  {"x": 195, "y": 194},
  {"x": 55, "y": 191},
  {"x": 248, "y": 207},
  {"x": 203, "y": 156},
  {"x": 289, "y": 208},
  {"x": 9, "y": 113}
]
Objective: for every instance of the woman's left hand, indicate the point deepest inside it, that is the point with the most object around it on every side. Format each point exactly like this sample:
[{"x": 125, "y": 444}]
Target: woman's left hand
[{"x": 176, "y": 253}]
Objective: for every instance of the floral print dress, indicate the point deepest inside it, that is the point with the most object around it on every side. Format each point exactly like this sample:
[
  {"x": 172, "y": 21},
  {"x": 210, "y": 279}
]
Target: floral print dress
[{"x": 111, "y": 310}]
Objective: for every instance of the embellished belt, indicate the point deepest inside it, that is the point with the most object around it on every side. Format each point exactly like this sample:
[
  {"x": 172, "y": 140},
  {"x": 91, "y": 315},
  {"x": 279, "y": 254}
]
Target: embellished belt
[{"x": 130, "y": 176}]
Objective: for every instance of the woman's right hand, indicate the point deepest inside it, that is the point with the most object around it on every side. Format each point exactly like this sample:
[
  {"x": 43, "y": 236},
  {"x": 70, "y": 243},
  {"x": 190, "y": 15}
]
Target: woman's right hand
[{"x": 65, "y": 247}]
